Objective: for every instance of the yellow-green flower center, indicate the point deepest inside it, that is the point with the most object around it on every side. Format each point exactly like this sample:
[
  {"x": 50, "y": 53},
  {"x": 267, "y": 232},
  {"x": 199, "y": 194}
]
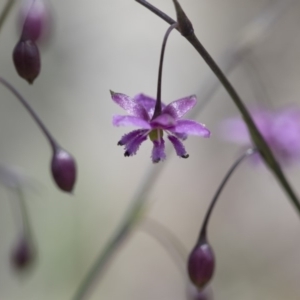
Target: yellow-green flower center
[{"x": 156, "y": 134}]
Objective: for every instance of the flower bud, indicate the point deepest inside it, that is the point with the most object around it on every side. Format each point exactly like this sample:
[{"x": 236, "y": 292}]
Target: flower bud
[
  {"x": 34, "y": 19},
  {"x": 22, "y": 254},
  {"x": 26, "y": 57},
  {"x": 201, "y": 264},
  {"x": 63, "y": 168}
]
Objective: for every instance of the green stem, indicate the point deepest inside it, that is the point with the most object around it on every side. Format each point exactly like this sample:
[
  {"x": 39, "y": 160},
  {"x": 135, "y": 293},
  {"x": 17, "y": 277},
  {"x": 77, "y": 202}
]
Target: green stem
[
  {"x": 254, "y": 132},
  {"x": 130, "y": 220}
]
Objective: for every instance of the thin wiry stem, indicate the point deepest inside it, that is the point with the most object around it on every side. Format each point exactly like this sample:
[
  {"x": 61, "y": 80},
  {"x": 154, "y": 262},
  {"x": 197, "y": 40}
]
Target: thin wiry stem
[
  {"x": 130, "y": 219},
  {"x": 5, "y": 12},
  {"x": 157, "y": 110},
  {"x": 257, "y": 138},
  {"x": 229, "y": 61},
  {"x": 33, "y": 114},
  {"x": 20, "y": 207},
  {"x": 213, "y": 202},
  {"x": 24, "y": 212},
  {"x": 242, "y": 47}
]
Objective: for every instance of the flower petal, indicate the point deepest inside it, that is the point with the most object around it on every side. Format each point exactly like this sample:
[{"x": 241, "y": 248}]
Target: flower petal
[
  {"x": 163, "y": 121},
  {"x": 158, "y": 152},
  {"x": 181, "y": 136},
  {"x": 235, "y": 130},
  {"x": 180, "y": 107},
  {"x": 148, "y": 103},
  {"x": 190, "y": 127},
  {"x": 133, "y": 146},
  {"x": 179, "y": 148},
  {"x": 132, "y": 107},
  {"x": 285, "y": 132},
  {"x": 130, "y": 121},
  {"x": 126, "y": 138}
]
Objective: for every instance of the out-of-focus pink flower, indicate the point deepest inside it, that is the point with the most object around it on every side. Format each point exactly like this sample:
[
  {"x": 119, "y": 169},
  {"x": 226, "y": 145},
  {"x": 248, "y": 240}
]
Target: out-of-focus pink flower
[
  {"x": 140, "y": 111},
  {"x": 280, "y": 128},
  {"x": 34, "y": 19}
]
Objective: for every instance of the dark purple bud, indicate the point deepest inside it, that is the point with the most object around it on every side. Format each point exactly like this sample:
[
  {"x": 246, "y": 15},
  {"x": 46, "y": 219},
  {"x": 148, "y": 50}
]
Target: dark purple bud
[
  {"x": 22, "y": 254},
  {"x": 26, "y": 57},
  {"x": 63, "y": 168},
  {"x": 193, "y": 293},
  {"x": 201, "y": 264}
]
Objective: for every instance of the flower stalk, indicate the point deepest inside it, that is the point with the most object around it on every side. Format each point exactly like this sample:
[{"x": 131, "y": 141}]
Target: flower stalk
[
  {"x": 63, "y": 165},
  {"x": 129, "y": 222},
  {"x": 24, "y": 252},
  {"x": 154, "y": 118},
  {"x": 201, "y": 262},
  {"x": 158, "y": 106},
  {"x": 203, "y": 231},
  {"x": 33, "y": 114},
  {"x": 257, "y": 138}
]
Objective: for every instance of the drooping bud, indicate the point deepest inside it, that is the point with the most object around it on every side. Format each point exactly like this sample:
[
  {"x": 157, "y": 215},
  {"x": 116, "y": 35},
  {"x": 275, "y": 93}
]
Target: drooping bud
[
  {"x": 26, "y": 57},
  {"x": 201, "y": 264},
  {"x": 63, "y": 167},
  {"x": 34, "y": 19},
  {"x": 23, "y": 254}
]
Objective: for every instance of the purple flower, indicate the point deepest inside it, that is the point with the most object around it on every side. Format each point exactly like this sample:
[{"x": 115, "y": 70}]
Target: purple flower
[
  {"x": 140, "y": 111},
  {"x": 280, "y": 128}
]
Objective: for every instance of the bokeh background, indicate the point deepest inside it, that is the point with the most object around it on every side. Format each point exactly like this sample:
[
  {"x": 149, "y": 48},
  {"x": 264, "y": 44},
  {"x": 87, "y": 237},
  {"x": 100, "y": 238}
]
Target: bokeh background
[{"x": 115, "y": 44}]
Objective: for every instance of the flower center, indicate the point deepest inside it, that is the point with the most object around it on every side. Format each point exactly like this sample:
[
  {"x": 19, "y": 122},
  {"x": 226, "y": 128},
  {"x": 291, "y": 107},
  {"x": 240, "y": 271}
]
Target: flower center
[{"x": 156, "y": 134}]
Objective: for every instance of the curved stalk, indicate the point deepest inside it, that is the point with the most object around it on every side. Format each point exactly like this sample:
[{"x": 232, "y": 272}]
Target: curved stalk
[
  {"x": 157, "y": 110},
  {"x": 229, "y": 60},
  {"x": 33, "y": 114},
  {"x": 257, "y": 138},
  {"x": 213, "y": 202}
]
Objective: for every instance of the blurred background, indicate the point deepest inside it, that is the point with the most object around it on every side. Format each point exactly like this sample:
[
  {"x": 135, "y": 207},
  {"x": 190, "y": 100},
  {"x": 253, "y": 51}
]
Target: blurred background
[{"x": 96, "y": 46}]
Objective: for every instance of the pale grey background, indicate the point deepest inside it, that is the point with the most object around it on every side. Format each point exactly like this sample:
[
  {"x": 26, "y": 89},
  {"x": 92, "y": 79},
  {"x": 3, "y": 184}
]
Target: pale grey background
[{"x": 115, "y": 44}]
